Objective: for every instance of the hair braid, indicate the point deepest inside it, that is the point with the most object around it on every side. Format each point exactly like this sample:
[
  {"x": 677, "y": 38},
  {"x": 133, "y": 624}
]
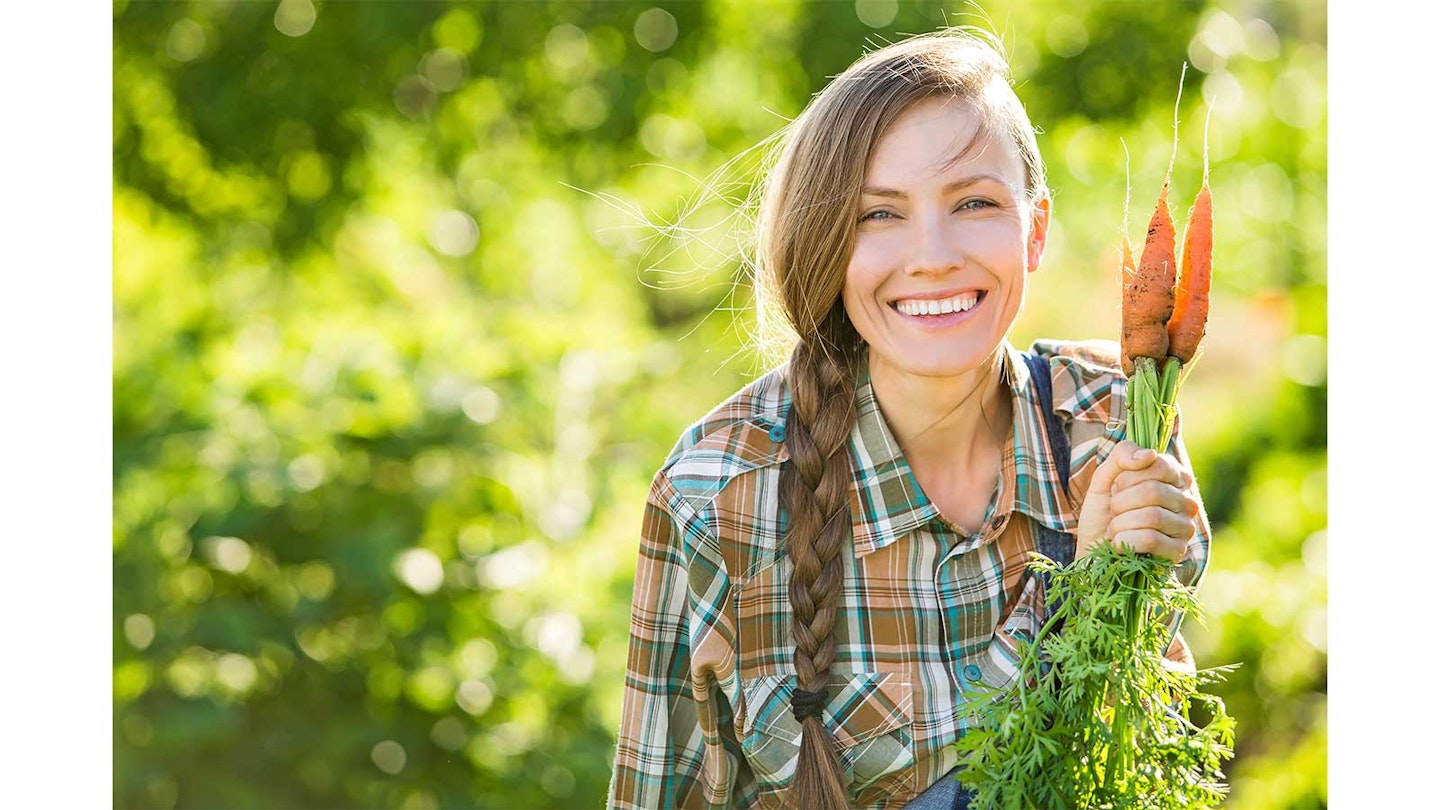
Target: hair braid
[{"x": 815, "y": 490}]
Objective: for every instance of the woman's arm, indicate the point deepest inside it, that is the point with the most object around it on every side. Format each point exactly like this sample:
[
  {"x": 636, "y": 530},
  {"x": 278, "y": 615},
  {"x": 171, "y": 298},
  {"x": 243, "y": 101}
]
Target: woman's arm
[{"x": 676, "y": 746}]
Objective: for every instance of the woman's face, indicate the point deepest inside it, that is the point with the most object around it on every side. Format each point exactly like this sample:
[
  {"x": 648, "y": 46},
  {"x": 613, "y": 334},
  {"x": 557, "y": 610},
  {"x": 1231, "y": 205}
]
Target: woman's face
[{"x": 944, "y": 240}]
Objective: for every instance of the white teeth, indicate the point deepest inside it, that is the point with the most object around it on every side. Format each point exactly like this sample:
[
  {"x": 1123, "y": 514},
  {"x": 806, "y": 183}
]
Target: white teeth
[{"x": 945, "y": 306}]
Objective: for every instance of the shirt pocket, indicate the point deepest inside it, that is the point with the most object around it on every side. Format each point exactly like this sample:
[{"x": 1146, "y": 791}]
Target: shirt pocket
[{"x": 870, "y": 715}]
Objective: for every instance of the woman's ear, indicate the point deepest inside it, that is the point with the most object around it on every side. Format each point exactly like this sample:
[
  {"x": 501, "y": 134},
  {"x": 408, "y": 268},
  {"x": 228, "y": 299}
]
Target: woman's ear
[{"x": 1039, "y": 230}]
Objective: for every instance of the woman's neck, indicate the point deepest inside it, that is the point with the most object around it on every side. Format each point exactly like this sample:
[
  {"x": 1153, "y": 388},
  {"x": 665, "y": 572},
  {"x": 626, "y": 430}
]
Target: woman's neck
[{"x": 951, "y": 426}]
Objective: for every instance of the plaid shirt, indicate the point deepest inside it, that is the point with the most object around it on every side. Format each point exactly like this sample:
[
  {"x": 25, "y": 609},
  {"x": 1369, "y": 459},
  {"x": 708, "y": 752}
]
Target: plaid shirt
[{"x": 926, "y": 612}]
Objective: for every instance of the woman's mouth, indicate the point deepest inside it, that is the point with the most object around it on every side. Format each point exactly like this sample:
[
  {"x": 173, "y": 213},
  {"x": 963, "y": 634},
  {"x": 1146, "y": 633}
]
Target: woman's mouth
[{"x": 939, "y": 311}]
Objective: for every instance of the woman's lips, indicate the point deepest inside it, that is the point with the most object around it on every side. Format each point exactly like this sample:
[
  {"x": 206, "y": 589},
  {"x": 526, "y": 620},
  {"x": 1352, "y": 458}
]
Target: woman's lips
[{"x": 939, "y": 320}]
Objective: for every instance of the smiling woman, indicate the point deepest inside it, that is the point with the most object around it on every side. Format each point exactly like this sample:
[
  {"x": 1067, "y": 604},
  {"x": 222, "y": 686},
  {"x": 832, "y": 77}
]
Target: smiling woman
[{"x": 836, "y": 557}]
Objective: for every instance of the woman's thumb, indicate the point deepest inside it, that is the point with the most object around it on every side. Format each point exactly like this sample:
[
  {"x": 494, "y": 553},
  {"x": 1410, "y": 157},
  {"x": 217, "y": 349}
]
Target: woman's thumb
[{"x": 1127, "y": 455}]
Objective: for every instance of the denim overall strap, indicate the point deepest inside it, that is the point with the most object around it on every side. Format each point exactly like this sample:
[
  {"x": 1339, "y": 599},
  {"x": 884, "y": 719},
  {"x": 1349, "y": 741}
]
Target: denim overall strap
[
  {"x": 1054, "y": 430},
  {"x": 1057, "y": 545}
]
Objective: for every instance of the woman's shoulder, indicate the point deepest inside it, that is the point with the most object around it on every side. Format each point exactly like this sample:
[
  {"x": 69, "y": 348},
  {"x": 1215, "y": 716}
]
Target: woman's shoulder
[
  {"x": 744, "y": 432},
  {"x": 1086, "y": 377}
]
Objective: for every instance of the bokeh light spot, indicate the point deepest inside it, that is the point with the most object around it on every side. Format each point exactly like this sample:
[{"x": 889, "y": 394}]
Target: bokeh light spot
[
  {"x": 476, "y": 658},
  {"x": 419, "y": 799},
  {"x": 388, "y": 756},
  {"x": 584, "y": 108},
  {"x": 431, "y": 688},
  {"x": 672, "y": 138},
  {"x": 666, "y": 77},
  {"x": 1261, "y": 42},
  {"x": 458, "y": 30},
  {"x": 481, "y": 404},
  {"x": 513, "y": 738},
  {"x": 315, "y": 580},
  {"x": 1223, "y": 35},
  {"x": 130, "y": 680},
  {"x": 558, "y": 781},
  {"x": 433, "y": 468},
  {"x": 454, "y": 233},
  {"x": 1297, "y": 98},
  {"x": 567, "y": 47},
  {"x": 235, "y": 672},
  {"x": 188, "y": 673},
  {"x": 1267, "y": 194},
  {"x": 445, "y": 69},
  {"x": 656, "y": 29},
  {"x": 1314, "y": 553},
  {"x": 228, "y": 553},
  {"x": 195, "y": 584},
  {"x": 1304, "y": 359},
  {"x": 306, "y": 472},
  {"x": 1066, "y": 36},
  {"x": 1223, "y": 92},
  {"x": 514, "y": 567},
  {"x": 163, "y": 791},
  {"x": 414, "y": 97},
  {"x": 295, "y": 18},
  {"x": 474, "y": 539},
  {"x": 565, "y": 515},
  {"x": 577, "y": 666},
  {"x": 876, "y": 13},
  {"x": 556, "y": 634},
  {"x": 420, "y": 569},
  {"x": 309, "y": 176},
  {"x": 186, "y": 40},
  {"x": 474, "y": 696},
  {"x": 449, "y": 733},
  {"x": 139, "y": 630}
]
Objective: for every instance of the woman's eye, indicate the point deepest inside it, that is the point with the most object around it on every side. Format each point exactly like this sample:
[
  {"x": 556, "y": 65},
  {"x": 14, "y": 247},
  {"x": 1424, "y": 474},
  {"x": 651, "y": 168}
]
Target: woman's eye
[
  {"x": 878, "y": 214},
  {"x": 975, "y": 204}
]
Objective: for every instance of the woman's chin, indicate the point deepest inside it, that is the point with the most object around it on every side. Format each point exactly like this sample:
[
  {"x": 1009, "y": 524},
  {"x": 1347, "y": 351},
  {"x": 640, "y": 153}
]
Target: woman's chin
[{"x": 936, "y": 362}]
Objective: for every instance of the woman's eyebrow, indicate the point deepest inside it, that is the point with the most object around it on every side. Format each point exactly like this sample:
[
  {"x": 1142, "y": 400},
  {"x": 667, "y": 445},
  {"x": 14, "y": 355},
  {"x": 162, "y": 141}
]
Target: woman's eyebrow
[{"x": 953, "y": 186}]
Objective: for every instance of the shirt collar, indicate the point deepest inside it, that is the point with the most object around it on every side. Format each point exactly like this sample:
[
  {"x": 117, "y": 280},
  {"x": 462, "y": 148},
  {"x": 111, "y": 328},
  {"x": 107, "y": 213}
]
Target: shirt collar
[{"x": 888, "y": 503}]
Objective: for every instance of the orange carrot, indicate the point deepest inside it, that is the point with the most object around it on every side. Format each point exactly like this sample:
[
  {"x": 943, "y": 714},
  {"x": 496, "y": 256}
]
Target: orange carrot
[
  {"x": 1127, "y": 268},
  {"x": 1192, "y": 298},
  {"x": 1149, "y": 298}
]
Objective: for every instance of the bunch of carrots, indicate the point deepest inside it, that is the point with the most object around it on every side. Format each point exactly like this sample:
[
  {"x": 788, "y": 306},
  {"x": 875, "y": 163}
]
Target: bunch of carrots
[
  {"x": 1095, "y": 718},
  {"x": 1162, "y": 321}
]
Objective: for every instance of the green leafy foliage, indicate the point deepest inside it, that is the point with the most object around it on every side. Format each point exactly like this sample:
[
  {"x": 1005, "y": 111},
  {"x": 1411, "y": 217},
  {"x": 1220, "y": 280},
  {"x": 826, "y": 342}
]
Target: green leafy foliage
[{"x": 1097, "y": 718}]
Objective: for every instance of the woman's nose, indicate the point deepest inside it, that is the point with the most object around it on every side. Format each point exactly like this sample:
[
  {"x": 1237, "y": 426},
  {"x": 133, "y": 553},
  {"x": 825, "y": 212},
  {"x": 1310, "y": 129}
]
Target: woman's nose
[{"x": 933, "y": 249}]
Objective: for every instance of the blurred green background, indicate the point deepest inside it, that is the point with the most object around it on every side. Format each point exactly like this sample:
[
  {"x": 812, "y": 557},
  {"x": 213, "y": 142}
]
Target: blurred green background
[{"x": 411, "y": 300}]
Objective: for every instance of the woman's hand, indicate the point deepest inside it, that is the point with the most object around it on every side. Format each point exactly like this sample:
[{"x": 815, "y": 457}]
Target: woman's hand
[{"x": 1141, "y": 499}]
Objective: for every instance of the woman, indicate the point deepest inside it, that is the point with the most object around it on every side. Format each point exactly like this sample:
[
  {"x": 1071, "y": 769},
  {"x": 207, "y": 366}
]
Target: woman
[{"x": 835, "y": 558}]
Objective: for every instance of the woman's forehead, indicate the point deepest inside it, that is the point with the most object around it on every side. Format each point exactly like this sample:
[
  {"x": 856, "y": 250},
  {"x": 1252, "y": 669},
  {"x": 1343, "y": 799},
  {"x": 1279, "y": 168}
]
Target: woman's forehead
[{"x": 941, "y": 136}]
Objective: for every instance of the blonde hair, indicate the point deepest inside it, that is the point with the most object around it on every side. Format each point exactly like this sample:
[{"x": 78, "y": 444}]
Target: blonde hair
[{"x": 806, "y": 229}]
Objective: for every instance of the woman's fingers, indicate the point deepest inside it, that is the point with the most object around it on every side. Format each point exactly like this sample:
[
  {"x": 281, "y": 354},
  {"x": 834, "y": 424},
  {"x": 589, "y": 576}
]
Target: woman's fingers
[
  {"x": 1127, "y": 459},
  {"x": 1164, "y": 468},
  {"x": 1153, "y": 518},
  {"x": 1140, "y": 499},
  {"x": 1154, "y": 493},
  {"x": 1149, "y": 541}
]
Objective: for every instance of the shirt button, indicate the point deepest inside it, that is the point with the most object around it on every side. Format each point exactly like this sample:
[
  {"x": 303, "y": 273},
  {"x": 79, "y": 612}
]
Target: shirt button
[
  {"x": 777, "y": 433},
  {"x": 972, "y": 673}
]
